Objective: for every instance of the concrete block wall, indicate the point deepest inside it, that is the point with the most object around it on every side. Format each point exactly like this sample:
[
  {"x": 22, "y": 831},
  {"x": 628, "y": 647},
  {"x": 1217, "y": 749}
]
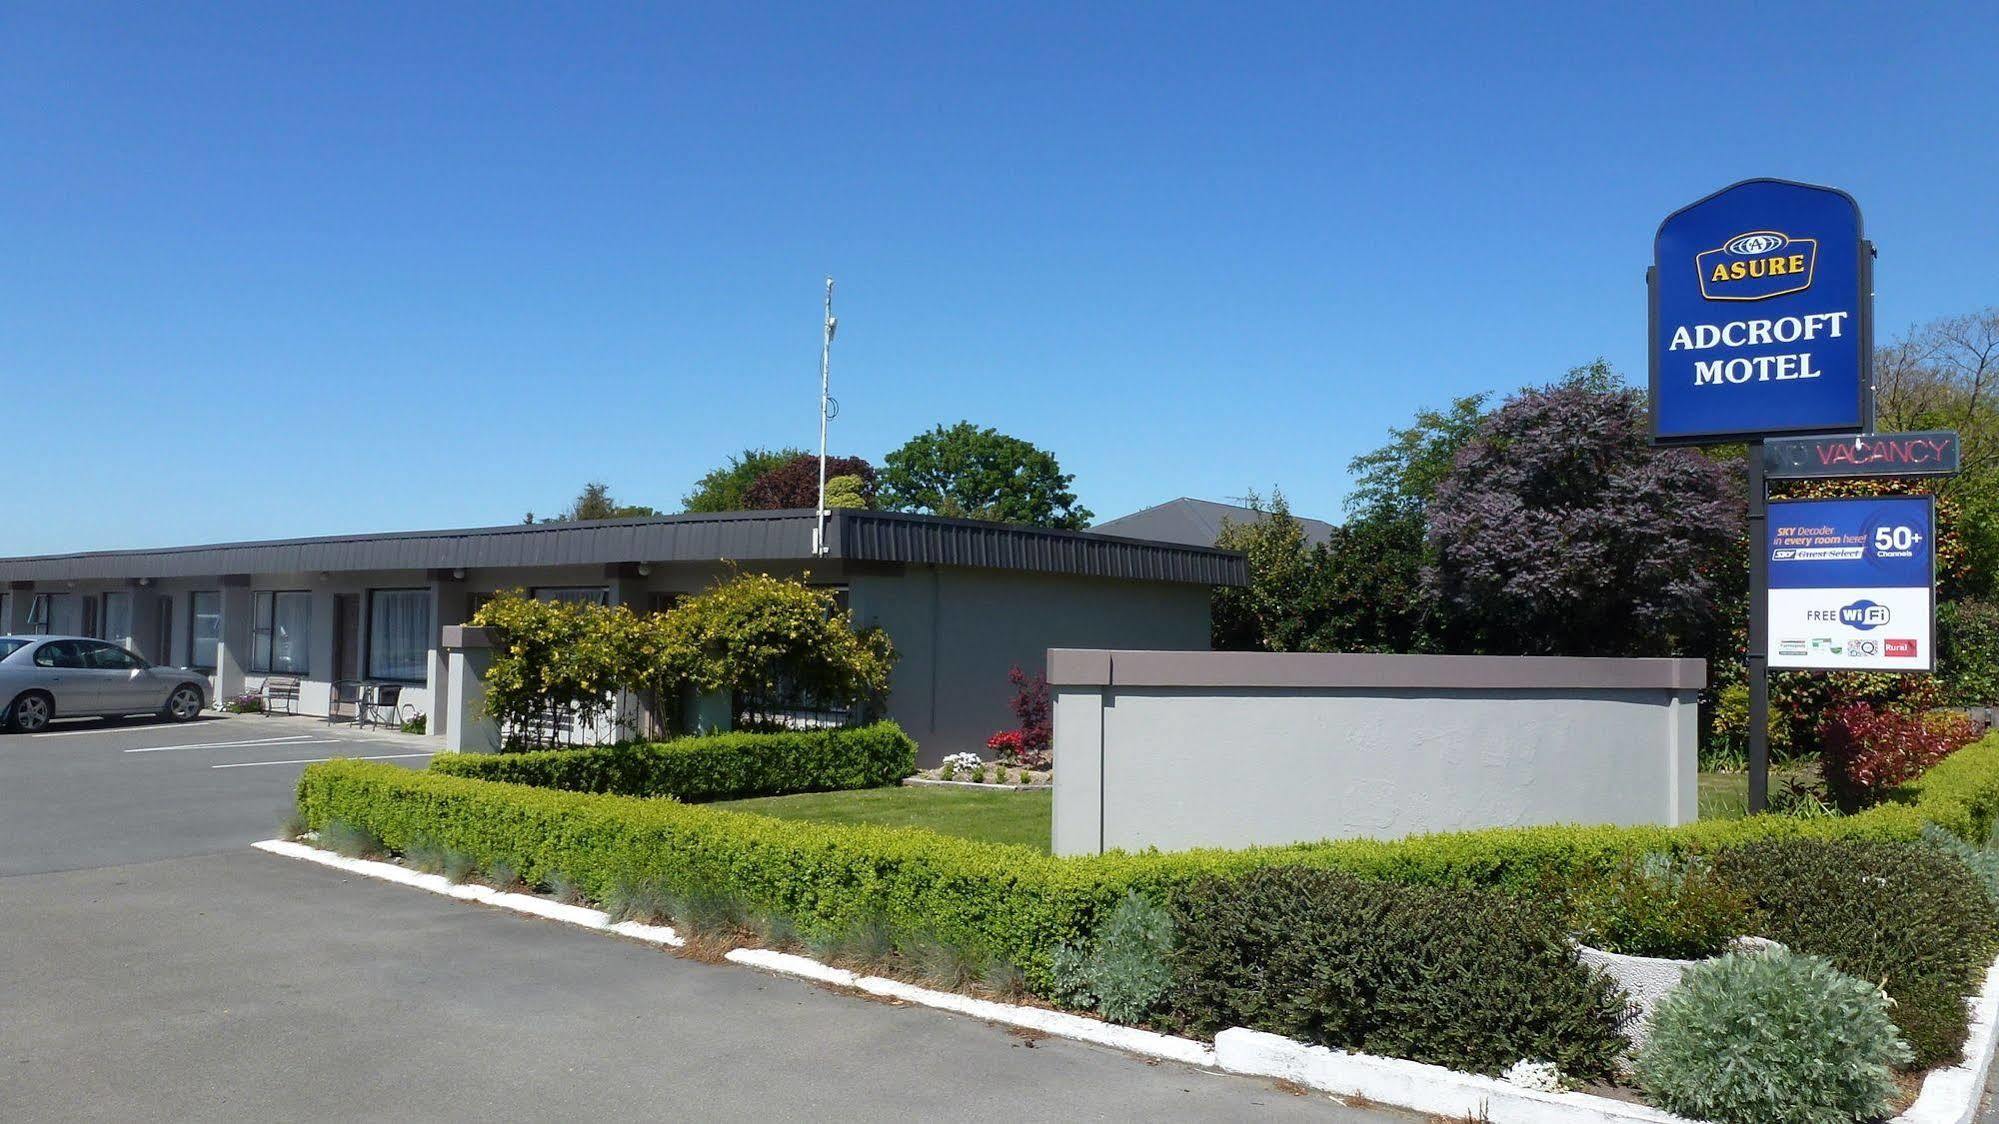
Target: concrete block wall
[{"x": 1229, "y": 749}]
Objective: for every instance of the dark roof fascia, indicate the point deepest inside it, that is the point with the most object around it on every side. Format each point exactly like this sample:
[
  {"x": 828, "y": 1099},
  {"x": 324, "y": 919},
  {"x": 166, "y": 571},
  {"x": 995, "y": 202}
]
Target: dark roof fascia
[{"x": 740, "y": 536}]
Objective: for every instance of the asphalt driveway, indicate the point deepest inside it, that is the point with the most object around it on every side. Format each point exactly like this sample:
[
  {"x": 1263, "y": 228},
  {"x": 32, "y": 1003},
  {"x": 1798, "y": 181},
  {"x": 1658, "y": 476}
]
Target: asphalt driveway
[{"x": 155, "y": 967}]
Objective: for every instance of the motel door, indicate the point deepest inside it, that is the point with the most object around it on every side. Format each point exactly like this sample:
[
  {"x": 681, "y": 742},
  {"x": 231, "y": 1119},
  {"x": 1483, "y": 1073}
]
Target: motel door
[{"x": 346, "y": 636}]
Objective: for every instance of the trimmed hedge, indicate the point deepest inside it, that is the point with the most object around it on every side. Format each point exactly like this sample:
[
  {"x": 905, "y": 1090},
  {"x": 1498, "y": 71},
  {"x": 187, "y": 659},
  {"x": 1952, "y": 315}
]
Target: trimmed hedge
[
  {"x": 1005, "y": 902},
  {"x": 1469, "y": 979},
  {"x": 1908, "y": 919},
  {"x": 707, "y": 767}
]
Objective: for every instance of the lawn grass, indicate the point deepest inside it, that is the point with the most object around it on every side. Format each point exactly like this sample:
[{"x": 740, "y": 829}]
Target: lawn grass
[
  {"x": 994, "y": 817},
  {"x": 1022, "y": 817},
  {"x": 1725, "y": 796}
]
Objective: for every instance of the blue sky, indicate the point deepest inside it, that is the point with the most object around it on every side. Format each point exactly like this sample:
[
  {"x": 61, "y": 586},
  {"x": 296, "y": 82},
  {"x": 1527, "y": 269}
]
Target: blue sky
[{"x": 271, "y": 270}]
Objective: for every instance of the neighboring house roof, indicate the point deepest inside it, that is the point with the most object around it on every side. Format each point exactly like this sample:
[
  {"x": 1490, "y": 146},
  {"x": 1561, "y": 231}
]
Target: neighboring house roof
[
  {"x": 744, "y": 536},
  {"x": 1192, "y": 522}
]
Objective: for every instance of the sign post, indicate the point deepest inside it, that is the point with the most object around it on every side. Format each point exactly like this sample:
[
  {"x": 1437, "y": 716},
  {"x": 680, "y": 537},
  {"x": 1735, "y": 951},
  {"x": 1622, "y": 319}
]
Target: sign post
[
  {"x": 1762, "y": 326},
  {"x": 1759, "y": 628}
]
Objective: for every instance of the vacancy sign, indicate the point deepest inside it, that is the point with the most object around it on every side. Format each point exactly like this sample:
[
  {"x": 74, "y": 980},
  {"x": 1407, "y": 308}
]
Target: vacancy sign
[{"x": 1852, "y": 583}]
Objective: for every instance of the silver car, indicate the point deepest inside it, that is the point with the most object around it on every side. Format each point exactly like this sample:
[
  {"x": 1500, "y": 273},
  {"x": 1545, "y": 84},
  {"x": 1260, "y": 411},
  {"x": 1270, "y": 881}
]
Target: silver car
[{"x": 45, "y": 677}]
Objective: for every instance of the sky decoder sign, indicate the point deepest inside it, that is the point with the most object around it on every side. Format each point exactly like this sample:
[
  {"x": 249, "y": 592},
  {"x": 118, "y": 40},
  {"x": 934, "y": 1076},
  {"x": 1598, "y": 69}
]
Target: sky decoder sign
[
  {"x": 1852, "y": 583},
  {"x": 1761, "y": 316}
]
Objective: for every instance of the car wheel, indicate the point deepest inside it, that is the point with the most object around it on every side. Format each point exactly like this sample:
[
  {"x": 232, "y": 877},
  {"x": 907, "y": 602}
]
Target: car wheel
[
  {"x": 30, "y": 713},
  {"x": 185, "y": 703}
]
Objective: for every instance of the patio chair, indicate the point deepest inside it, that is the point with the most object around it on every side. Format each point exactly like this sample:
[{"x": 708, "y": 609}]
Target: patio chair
[
  {"x": 381, "y": 705},
  {"x": 345, "y": 693}
]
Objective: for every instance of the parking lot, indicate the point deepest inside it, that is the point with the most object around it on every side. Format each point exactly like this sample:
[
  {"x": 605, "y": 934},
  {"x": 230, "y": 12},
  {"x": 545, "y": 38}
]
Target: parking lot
[
  {"x": 94, "y": 793},
  {"x": 155, "y": 967}
]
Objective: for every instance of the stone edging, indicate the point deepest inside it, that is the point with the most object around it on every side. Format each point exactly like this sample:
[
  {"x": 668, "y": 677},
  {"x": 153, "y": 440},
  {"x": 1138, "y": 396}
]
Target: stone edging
[
  {"x": 927, "y": 782},
  {"x": 1949, "y": 1096}
]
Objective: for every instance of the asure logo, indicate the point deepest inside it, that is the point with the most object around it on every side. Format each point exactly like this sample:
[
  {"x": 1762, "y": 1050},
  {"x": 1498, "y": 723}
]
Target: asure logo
[
  {"x": 1863, "y": 615},
  {"x": 1756, "y": 266},
  {"x": 1902, "y": 649}
]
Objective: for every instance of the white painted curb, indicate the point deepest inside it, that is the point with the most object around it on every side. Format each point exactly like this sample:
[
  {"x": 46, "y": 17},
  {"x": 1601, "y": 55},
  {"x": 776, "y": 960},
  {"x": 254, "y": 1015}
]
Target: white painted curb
[
  {"x": 472, "y": 892},
  {"x": 1425, "y": 1088},
  {"x": 1949, "y": 1096}
]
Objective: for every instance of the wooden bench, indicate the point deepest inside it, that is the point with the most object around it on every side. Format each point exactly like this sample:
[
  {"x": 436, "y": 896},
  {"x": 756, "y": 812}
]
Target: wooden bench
[{"x": 280, "y": 692}]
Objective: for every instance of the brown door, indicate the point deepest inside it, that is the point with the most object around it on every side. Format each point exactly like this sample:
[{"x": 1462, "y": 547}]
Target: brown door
[{"x": 347, "y": 636}]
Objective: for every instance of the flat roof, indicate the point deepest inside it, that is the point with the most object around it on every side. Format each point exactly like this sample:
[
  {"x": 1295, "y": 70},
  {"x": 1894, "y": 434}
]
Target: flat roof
[{"x": 872, "y": 536}]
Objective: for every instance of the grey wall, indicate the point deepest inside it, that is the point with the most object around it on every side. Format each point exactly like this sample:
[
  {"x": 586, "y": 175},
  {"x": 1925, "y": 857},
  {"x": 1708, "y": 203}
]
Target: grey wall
[
  {"x": 1179, "y": 750},
  {"x": 957, "y": 631}
]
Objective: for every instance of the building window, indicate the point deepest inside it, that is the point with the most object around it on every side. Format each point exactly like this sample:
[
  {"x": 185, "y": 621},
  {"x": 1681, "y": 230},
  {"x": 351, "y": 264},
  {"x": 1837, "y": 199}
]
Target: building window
[
  {"x": 574, "y": 594},
  {"x": 6, "y": 613},
  {"x": 663, "y": 602},
  {"x": 118, "y": 619},
  {"x": 60, "y": 614},
  {"x": 204, "y": 617},
  {"x": 398, "y": 634},
  {"x": 280, "y": 639}
]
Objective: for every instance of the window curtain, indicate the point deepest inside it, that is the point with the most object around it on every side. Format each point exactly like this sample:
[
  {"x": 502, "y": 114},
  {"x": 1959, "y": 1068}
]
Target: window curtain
[
  {"x": 398, "y": 634},
  {"x": 65, "y": 614},
  {"x": 291, "y": 633},
  {"x": 205, "y": 631},
  {"x": 118, "y": 619}
]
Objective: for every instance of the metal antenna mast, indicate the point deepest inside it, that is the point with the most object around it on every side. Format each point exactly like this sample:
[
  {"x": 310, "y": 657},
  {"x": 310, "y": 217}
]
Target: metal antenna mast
[{"x": 827, "y": 408}]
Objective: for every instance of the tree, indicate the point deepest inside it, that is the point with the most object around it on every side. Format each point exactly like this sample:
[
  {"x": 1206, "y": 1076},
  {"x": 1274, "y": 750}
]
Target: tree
[
  {"x": 972, "y": 473},
  {"x": 724, "y": 488},
  {"x": 595, "y": 502},
  {"x": 795, "y": 483},
  {"x": 1360, "y": 591},
  {"x": 1559, "y": 530},
  {"x": 847, "y": 491},
  {"x": 1276, "y": 611},
  {"x": 1400, "y": 477},
  {"x": 1945, "y": 375}
]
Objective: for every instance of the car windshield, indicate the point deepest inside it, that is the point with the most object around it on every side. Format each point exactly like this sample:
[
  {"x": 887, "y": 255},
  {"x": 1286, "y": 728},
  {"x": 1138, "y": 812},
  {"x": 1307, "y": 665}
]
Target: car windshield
[{"x": 9, "y": 645}]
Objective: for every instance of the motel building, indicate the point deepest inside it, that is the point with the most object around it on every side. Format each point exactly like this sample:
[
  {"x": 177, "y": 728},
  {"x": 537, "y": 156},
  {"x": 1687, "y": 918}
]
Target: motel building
[{"x": 963, "y": 601}]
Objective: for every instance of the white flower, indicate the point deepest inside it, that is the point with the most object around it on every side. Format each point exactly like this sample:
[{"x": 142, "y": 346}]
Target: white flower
[
  {"x": 959, "y": 761},
  {"x": 1543, "y": 1077}
]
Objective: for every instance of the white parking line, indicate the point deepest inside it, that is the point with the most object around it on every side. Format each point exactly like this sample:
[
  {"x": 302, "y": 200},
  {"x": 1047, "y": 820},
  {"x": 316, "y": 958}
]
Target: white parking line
[
  {"x": 89, "y": 730},
  {"x": 293, "y": 739},
  {"x": 317, "y": 760}
]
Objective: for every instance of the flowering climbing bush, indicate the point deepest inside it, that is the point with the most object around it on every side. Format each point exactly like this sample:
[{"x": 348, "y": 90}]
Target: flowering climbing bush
[{"x": 771, "y": 640}]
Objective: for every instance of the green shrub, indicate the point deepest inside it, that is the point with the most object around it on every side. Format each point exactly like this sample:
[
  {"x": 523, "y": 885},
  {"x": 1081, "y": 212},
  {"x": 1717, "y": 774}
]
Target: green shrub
[
  {"x": 627, "y": 899},
  {"x": 1125, "y": 971},
  {"x": 1659, "y": 906},
  {"x": 1968, "y": 651},
  {"x": 1462, "y": 978},
  {"x": 836, "y": 880},
  {"x": 1905, "y": 918},
  {"x": 1771, "y": 1038},
  {"x": 708, "y": 767},
  {"x": 1982, "y": 861},
  {"x": 344, "y": 838}
]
